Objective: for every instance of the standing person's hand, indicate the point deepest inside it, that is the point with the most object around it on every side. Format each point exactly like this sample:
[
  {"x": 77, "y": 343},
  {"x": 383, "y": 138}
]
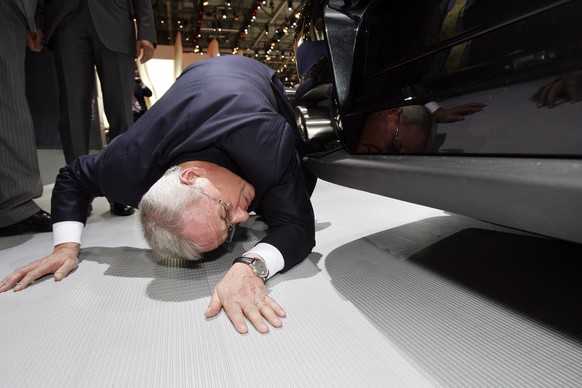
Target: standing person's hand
[
  {"x": 34, "y": 40},
  {"x": 243, "y": 294},
  {"x": 61, "y": 262},
  {"x": 145, "y": 50}
]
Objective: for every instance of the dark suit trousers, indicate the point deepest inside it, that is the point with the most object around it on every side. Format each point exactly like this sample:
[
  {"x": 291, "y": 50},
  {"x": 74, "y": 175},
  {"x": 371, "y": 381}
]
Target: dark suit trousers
[
  {"x": 19, "y": 174},
  {"x": 77, "y": 52}
]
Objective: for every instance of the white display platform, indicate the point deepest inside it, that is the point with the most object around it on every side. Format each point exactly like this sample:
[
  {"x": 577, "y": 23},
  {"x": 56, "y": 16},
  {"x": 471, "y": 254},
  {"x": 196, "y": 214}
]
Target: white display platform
[{"x": 393, "y": 295}]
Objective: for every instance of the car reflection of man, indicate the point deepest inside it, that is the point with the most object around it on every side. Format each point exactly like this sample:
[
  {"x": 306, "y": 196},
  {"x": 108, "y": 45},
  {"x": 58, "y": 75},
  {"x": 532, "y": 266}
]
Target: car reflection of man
[
  {"x": 220, "y": 143},
  {"x": 564, "y": 88},
  {"x": 404, "y": 130},
  {"x": 455, "y": 113}
]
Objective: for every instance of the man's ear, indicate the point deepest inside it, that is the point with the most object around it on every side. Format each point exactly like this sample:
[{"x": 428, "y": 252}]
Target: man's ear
[{"x": 189, "y": 174}]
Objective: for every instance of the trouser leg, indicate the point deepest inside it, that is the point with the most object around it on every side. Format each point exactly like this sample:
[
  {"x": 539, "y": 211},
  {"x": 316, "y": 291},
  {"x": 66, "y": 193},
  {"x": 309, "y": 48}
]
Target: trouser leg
[
  {"x": 19, "y": 172},
  {"x": 116, "y": 74},
  {"x": 76, "y": 77}
]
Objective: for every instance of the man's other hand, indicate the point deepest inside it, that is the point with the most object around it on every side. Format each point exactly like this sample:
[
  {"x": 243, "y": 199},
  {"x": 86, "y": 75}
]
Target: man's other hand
[
  {"x": 145, "y": 50},
  {"x": 457, "y": 113},
  {"x": 34, "y": 40},
  {"x": 243, "y": 294},
  {"x": 61, "y": 262},
  {"x": 565, "y": 86}
]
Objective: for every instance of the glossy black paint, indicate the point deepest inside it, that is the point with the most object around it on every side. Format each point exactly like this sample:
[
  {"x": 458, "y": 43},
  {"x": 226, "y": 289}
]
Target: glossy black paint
[
  {"x": 512, "y": 49},
  {"x": 517, "y": 162}
]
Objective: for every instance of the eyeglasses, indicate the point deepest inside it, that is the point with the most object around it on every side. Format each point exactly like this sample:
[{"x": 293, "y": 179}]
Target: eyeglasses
[{"x": 230, "y": 226}]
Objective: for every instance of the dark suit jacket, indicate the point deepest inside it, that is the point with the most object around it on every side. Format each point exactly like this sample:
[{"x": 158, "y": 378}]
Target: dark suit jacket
[
  {"x": 113, "y": 20},
  {"x": 28, "y": 8},
  {"x": 226, "y": 110}
]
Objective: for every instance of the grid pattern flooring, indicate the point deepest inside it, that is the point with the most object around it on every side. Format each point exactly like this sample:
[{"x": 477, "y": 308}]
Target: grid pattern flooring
[{"x": 393, "y": 295}]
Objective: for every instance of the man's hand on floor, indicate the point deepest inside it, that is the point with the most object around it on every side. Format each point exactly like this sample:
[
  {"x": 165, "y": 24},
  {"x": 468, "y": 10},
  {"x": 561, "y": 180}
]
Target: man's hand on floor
[
  {"x": 243, "y": 294},
  {"x": 61, "y": 262}
]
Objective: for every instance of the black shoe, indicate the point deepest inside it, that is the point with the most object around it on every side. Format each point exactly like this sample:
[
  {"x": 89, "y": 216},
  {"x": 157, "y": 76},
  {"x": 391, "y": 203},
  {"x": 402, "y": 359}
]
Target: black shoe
[
  {"x": 120, "y": 209},
  {"x": 37, "y": 223}
]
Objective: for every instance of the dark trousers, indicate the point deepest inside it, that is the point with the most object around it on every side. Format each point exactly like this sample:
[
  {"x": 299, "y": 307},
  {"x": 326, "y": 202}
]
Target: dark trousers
[
  {"x": 19, "y": 174},
  {"x": 77, "y": 52}
]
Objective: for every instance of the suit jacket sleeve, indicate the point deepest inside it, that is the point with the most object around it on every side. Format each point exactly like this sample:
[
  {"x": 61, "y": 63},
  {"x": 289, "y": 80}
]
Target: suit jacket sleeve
[
  {"x": 146, "y": 25},
  {"x": 269, "y": 160},
  {"x": 28, "y": 8},
  {"x": 113, "y": 20},
  {"x": 287, "y": 210},
  {"x": 75, "y": 187}
]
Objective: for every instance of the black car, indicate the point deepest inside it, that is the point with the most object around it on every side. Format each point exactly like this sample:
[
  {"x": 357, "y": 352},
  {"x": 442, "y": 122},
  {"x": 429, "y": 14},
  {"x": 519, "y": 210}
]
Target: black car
[{"x": 499, "y": 80}]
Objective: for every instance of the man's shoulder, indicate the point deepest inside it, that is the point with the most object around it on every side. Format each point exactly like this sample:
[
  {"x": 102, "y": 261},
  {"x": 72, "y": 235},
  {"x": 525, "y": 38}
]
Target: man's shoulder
[{"x": 230, "y": 65}]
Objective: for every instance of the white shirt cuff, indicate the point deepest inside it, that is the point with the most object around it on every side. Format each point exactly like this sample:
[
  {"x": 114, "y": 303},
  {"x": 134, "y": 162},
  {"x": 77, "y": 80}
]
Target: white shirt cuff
[
  {"x": 271, "y": 255},
  {"x": 67, "y": 231},
  {"x": 432, "y": 106}
]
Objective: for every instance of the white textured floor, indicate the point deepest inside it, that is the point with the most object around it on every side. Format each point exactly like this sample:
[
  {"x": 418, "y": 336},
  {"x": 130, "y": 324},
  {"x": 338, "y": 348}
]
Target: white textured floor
[{"x": 393, "y": 295}]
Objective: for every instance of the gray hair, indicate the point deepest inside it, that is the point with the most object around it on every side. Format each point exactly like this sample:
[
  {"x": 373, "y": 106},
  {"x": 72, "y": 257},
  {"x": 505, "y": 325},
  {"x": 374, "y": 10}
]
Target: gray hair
[
  {"x": 161, "y": 213},
  {"x": 420, "y": 115}
]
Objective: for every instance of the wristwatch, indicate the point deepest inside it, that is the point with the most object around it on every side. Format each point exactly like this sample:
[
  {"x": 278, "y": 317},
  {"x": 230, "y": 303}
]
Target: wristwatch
[{"x": 257, "y": 265}]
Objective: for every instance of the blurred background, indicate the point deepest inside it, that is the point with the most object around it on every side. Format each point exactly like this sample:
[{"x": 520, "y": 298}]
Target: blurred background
[{"x": 187, "y": 32}]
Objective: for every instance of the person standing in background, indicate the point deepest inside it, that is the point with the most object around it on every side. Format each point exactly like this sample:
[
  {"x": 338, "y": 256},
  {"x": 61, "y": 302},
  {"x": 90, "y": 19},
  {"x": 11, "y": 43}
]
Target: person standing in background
[
  {"x": 139, "y": 106},
  {"x": 20, "y": 179},
  {"x": 88, "y": 34}
]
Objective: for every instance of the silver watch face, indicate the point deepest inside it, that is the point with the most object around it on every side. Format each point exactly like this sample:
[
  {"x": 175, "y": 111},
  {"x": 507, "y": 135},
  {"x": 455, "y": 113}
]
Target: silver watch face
[{"x": 260, "y": 268}]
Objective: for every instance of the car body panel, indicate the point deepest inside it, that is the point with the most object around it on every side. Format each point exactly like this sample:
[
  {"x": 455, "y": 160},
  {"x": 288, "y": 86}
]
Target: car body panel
[{"x": 516, "y": 162}]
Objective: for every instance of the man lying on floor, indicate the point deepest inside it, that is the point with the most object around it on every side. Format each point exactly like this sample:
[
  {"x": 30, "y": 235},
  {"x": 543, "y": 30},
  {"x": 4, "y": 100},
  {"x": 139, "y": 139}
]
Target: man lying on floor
[{"x": 220, "y": 143}]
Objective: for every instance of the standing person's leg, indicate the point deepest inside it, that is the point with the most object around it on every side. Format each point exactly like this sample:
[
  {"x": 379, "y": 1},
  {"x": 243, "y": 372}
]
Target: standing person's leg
[
  {"x": 19, "y": 172},
  {"x": 76, "y": 77},
  {"x": 116, "y": 74}
]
